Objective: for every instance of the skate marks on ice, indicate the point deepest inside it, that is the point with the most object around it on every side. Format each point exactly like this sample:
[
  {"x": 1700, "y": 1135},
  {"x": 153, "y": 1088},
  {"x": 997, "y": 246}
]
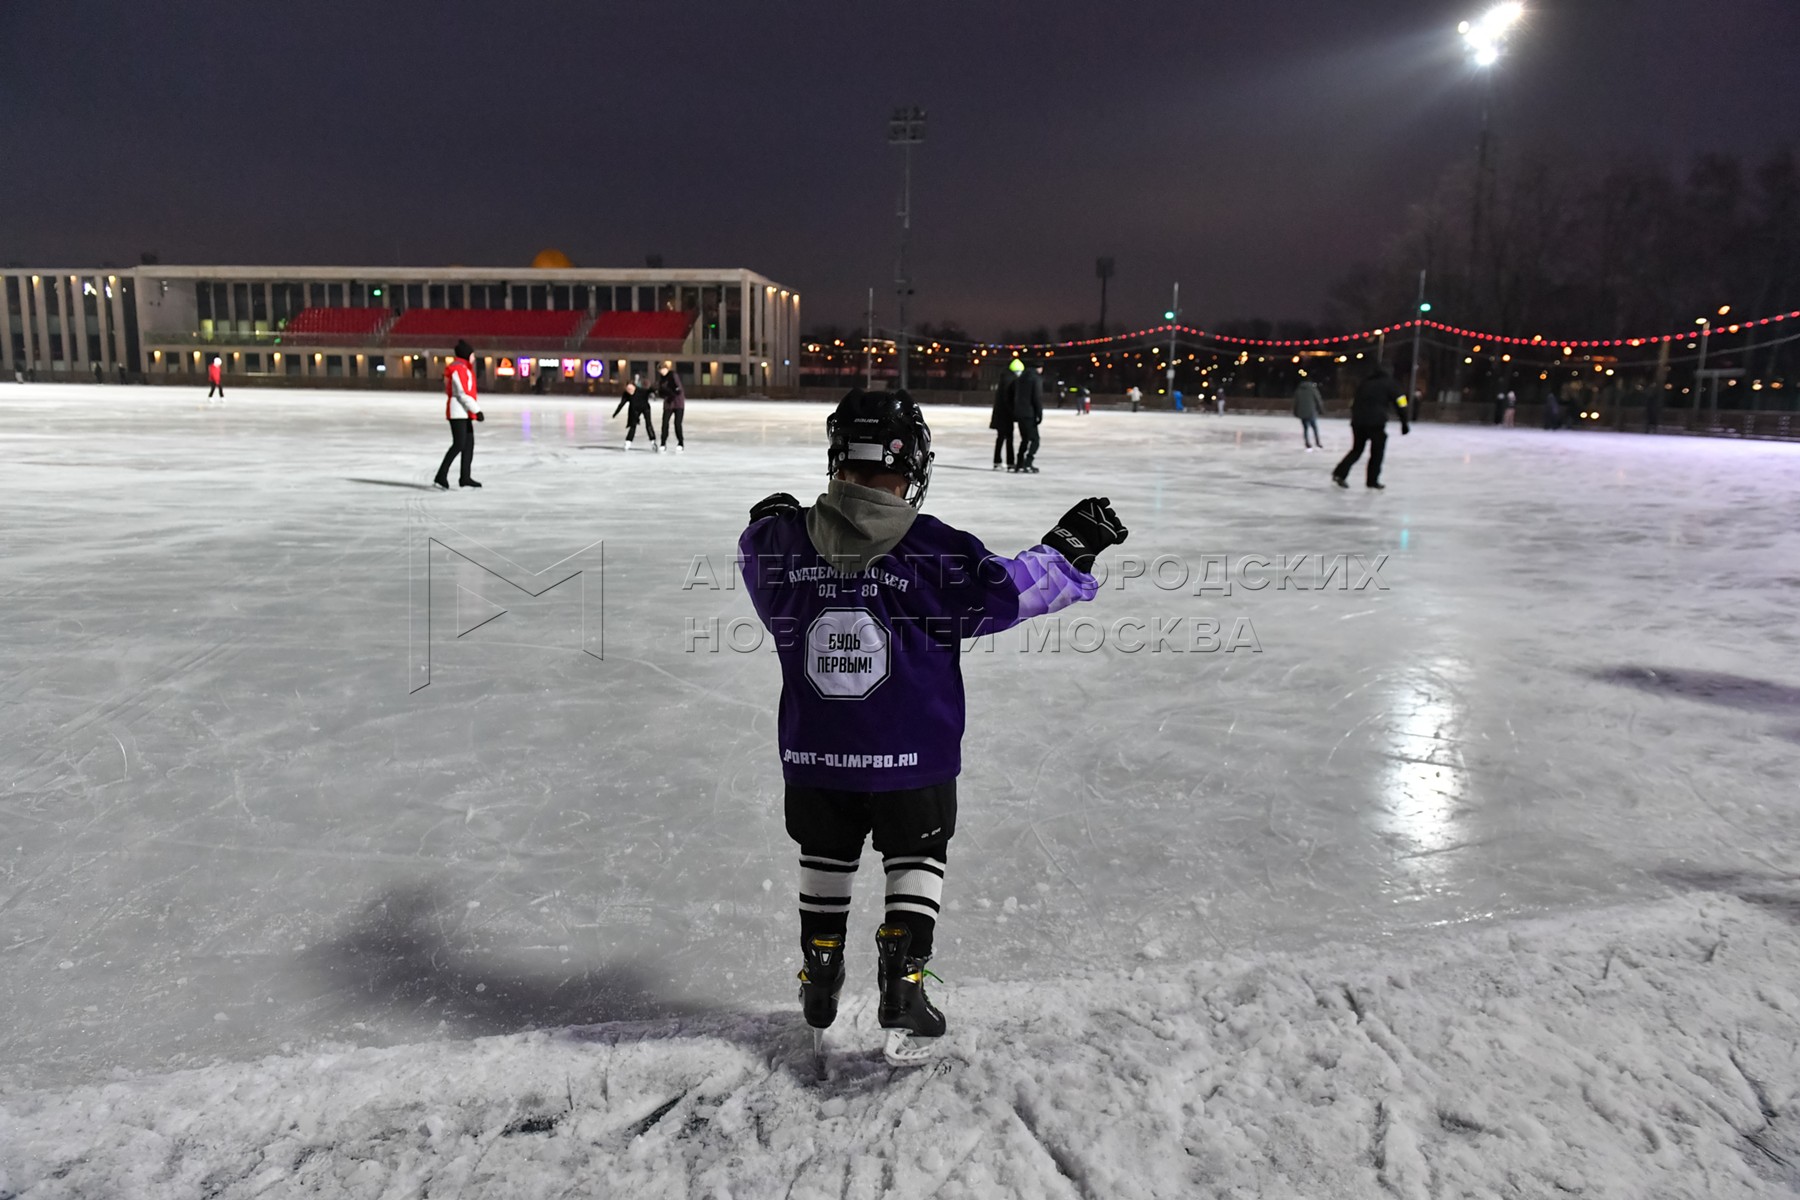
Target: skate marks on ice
[{"x": 1643, "y": 1051}]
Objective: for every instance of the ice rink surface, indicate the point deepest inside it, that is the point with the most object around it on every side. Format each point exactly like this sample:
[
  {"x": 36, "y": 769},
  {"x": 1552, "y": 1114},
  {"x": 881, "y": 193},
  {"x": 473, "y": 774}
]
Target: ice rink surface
[{"x": 238, "y": 818}]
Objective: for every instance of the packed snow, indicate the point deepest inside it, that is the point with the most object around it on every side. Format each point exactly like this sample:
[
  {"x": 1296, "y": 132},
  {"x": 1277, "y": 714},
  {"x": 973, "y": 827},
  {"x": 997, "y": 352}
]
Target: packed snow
[{"x": 345, "y": 854}]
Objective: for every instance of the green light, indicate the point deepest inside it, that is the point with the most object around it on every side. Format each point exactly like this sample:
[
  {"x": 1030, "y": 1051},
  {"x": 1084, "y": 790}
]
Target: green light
[
  {"x": 1425, "y": 306},
  {"x": 376, "y": 292},
  {"x": 1168, "y": 316}
]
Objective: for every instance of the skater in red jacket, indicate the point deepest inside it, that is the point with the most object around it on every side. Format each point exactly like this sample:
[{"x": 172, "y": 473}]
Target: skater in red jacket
[
  {"x": 215, "y": 371},
  {"x": 461, "y": 410}
]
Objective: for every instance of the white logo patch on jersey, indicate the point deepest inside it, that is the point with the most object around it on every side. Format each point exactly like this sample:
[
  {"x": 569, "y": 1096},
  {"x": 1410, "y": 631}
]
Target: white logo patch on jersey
[{"x": 846, "y": 653}]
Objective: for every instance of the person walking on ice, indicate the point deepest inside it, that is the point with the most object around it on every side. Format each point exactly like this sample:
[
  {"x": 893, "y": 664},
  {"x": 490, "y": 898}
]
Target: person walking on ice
[
  {"x": 215, "y": 374},
  {"x": 1000, "y": 418},
  {"x": 636, "y": 402},
  {"x": 461, "y": 410},
  {"x": 1375, "y": 395},
  {"x": 1308, "y": 404},
  {"x": 1028, "y": 412},
  {"x": 674, "y": 400},
  {"x": 869, "y": 601}
]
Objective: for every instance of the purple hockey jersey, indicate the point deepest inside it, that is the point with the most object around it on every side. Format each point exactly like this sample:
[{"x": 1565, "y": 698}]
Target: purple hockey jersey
[{"x": 871, "y": 673}]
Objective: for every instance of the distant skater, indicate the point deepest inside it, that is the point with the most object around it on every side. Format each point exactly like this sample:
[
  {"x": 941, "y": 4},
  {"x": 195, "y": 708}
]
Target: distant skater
[
  {"x": 461, "y": 410},
  {"x": 638, "y": 401},
  {"x": 1375, "y": 396},
  {"x": 1308, "y": 404},
  {"x": 1028, "y": 414},
  {"x": 674, "y": 401},
  {"x": 215, "y": 372},
  {"x": 1000, "y": 420},
  {"x": 1511, "y": 400}
]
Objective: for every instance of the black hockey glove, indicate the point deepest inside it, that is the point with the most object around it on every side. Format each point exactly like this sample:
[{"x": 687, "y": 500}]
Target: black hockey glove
[
  {"x": 1085, "y": 531},
  {"x": 481, "y": 416},
  {"x": 777, "y": 505}
]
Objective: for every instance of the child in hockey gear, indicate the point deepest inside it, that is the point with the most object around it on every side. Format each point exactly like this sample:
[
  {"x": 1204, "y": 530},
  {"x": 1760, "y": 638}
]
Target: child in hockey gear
[
  {"x": 461, "y": 410},
  {"x": 639, "y": 401},
  {"x": 869, "y": 601}
]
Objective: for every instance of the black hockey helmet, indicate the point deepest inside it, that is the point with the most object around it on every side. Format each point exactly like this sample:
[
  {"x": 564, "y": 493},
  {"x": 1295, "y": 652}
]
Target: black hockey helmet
[{"x": 883, "y": 428}]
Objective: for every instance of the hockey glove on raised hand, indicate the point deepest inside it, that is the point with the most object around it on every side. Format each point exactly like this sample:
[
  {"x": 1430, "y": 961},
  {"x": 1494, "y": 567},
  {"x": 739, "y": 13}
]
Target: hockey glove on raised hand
[
  {"x": 1085, "y": 531},
  {"x": 771, "y": 506}
]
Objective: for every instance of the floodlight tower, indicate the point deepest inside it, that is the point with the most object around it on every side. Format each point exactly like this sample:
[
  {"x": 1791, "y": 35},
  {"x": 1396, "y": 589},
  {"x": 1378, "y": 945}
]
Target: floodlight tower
[
  {"x": 906, "y": 129},
  {"x": 1485, "y": 40}
]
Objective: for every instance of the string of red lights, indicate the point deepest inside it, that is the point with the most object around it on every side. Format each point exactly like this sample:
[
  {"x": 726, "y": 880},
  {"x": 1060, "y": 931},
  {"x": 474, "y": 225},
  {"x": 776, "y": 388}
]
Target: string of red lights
[{"x": 1569, "y": 345}]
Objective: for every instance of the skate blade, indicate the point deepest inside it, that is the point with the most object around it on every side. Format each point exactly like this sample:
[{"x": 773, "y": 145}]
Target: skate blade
[{"x": 904, "y": 1049}]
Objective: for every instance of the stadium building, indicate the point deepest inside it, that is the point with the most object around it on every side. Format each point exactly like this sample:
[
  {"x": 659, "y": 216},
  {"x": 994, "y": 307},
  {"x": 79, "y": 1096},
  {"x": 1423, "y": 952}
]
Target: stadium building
[{"x": 551, "y": 326}]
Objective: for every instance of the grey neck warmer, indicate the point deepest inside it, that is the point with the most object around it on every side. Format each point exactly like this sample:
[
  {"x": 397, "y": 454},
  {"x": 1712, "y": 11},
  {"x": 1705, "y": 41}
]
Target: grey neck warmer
[{"x": 851, "y": 525}]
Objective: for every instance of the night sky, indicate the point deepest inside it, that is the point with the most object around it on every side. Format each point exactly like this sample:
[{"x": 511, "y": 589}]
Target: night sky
[{"x": 1253, "y": 151}]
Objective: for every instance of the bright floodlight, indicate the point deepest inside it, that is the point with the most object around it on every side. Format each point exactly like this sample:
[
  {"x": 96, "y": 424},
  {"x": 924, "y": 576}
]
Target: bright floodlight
[{"x": 1486, "y": 37}]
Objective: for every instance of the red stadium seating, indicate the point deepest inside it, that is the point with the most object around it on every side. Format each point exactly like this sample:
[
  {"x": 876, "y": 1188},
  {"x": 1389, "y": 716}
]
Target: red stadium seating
[
  {"x": 488, "y": 328},
  {"x": 493, "y": 329},
  {"x": 642, "y": 332},
  {"x": 334, "y": 326}
]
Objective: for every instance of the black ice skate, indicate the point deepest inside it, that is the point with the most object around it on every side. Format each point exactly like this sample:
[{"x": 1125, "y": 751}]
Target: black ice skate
[
  {"x": 821, "y": 979},
  {"x": 906, "y": 1012},
  {"x": 468, "y": 483}
]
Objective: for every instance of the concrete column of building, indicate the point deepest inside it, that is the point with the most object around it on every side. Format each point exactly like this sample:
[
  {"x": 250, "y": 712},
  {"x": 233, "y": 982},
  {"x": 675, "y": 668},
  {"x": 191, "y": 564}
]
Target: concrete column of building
[
  {"x": 268, "y": 290},
  {"x": 744, "y": 330},
  {"x": 103, "y": 313},
  {"x": 41, "y": 348},
  {"x": 27, "y": 326},
  {"x": 74, "y": 347},
  {"x": 6, "y": 327},
  {"x": 121, "y": 351}
]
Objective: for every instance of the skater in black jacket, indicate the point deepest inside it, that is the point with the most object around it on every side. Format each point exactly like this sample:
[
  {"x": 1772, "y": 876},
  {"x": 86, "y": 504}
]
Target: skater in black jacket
[
  {"x": 639, "y": 401},
  {"x": 1001, "y": 420},
  {"x": 1028, "y": 412},
  {"x": 1375, "y": 396},
  {"x": 674, "y": 398}
]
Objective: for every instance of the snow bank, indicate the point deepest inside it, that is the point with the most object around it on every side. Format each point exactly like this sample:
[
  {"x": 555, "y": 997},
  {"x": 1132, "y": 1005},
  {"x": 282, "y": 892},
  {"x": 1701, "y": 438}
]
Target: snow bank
[{"x": 1639, "y": 1052}]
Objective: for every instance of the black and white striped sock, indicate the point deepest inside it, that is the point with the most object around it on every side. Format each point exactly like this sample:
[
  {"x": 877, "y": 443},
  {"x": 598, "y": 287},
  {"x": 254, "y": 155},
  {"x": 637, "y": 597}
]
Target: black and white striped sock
[
  {"x": 915, "y": 892},
  {"x": 825, "y": 894}
]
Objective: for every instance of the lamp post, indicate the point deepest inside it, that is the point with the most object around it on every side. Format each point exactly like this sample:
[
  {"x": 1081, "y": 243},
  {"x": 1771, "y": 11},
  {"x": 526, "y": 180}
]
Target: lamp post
[
  {"x": 1700, "y": 367},
  {"x": 1412, "y": 387},
  {"x": 1173, "y": 315},
  {"x": 1485, "y": 40},
  {"x": 906, "y": 129},
  {"x": 1705, "y": 324},
  {"x": 1103, "y": 268}
]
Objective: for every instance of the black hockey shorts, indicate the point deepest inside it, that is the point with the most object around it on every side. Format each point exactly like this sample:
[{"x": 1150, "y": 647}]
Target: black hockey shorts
[{"x": 834, "y": 823}]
